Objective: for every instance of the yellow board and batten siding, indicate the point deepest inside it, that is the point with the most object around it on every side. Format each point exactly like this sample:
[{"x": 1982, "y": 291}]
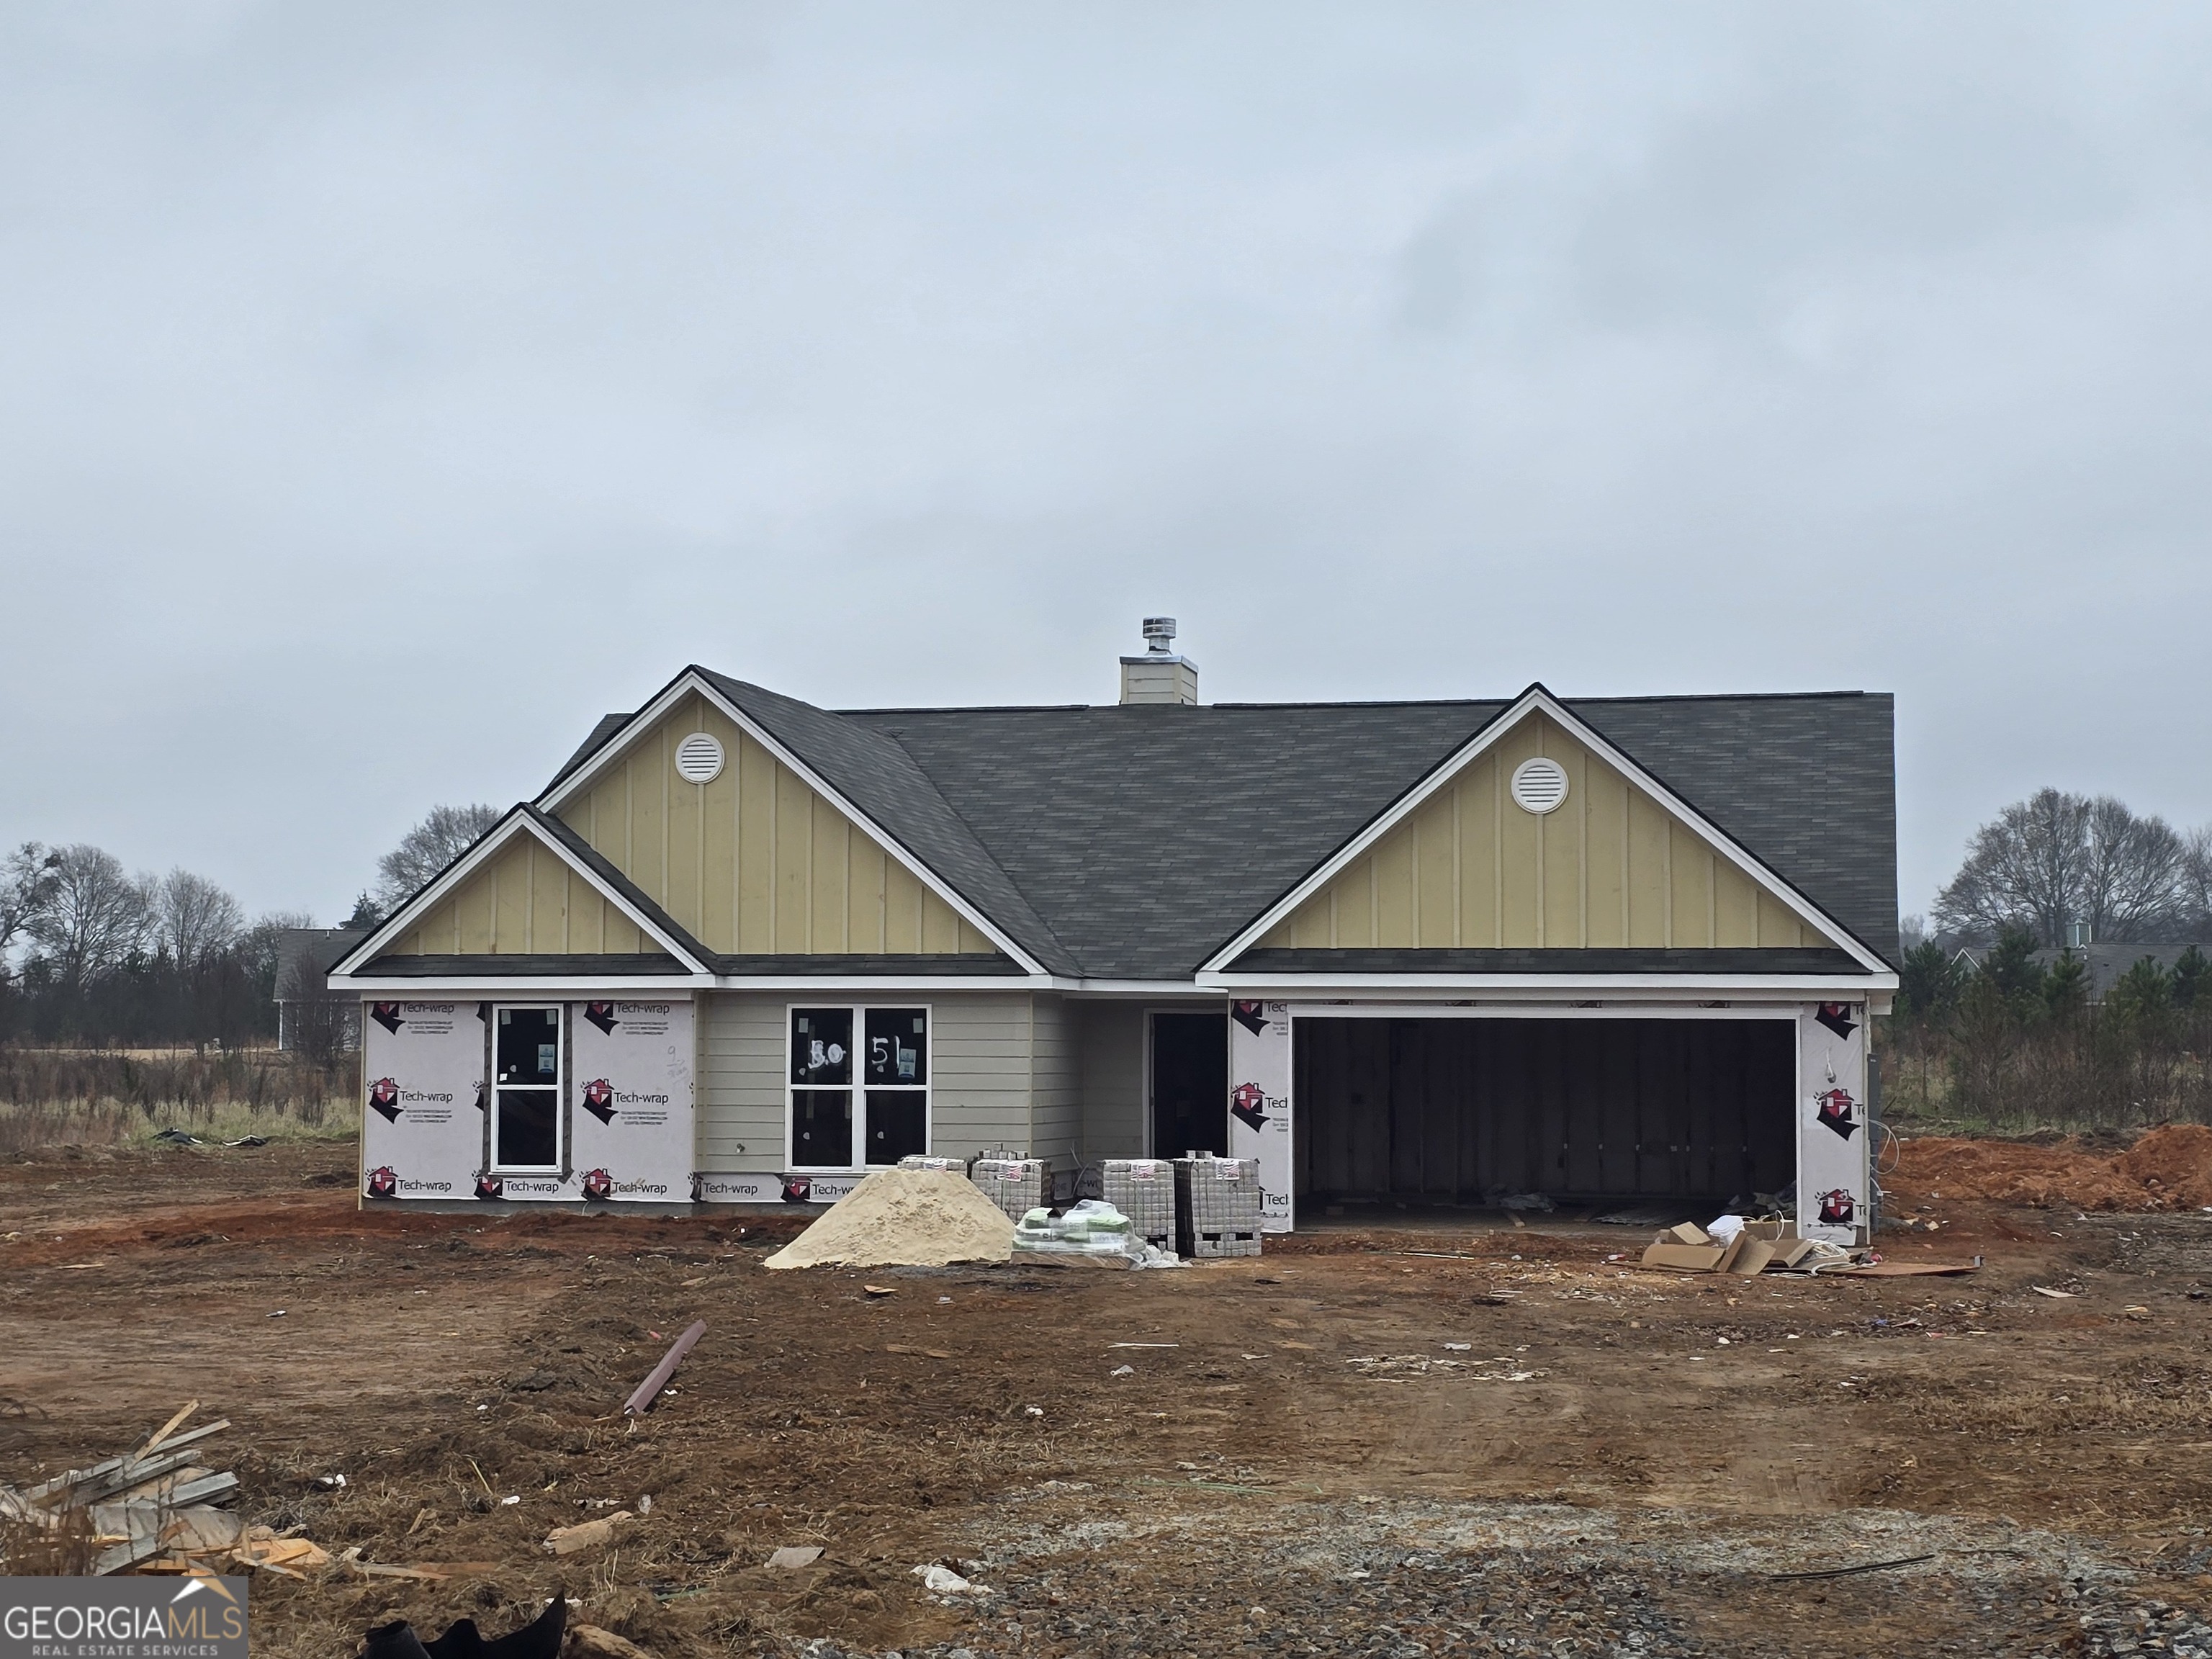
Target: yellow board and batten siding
[
  {"x": 1609, "y": 867},
  {"x": 756, "y": 863}
]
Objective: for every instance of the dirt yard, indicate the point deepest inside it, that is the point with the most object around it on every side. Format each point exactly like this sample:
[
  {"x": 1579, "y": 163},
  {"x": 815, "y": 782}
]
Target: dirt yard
[{"x": 1443, "y": 1437}]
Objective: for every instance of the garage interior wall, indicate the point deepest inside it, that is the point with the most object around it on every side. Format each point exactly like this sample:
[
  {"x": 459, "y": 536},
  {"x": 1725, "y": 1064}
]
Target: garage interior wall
[{"x": 1444, "y": 1111}]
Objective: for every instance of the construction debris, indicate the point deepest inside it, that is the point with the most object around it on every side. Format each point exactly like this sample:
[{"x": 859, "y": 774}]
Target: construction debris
[
  {"x": 642, "y": 1399},
  {"x": 1748, "y": 1249},
  {"x": 154, "y": 1499},
  {"x": 904, "y": 1218},
  {"x": 586, "y": 1534},
  {"x": 792, "y": 1557}
]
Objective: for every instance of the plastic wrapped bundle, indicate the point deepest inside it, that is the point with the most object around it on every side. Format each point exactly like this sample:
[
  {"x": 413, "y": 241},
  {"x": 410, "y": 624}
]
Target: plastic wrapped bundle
[{"x": 1089, "y": 1228}]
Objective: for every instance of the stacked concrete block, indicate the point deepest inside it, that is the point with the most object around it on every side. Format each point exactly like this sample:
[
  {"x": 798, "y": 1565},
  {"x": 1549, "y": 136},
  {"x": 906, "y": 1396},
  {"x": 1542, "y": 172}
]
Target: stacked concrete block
[
  {"x": 917, "y": 1161},
  {"x": 1144, "y": 1189},
  {"x": 1016, "y": 1185},
  {"x": 1217, "y": 1206}
]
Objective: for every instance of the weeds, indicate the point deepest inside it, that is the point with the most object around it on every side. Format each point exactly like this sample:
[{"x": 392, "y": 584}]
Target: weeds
[{"x": 109, "y": 1097}]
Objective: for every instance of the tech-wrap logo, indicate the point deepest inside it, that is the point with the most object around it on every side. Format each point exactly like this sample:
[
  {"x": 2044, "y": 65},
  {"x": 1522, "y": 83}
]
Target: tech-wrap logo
[
  {"x": 608, "y": 1015},
  {"x": 602, "y": 1099},
  {"x": 599, "y": 1185},
  {"x": 393, "y": 1015},
  {"x": 387, "y": 1099},
  {"x": 1251, "y": 1105},
  {"x": 1838, "y": 1208}
]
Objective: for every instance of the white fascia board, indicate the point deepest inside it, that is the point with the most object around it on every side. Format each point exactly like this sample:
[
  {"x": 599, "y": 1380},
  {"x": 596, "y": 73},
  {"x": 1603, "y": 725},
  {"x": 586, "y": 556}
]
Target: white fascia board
[
  {"x": 689, "y": 681},
  {"x": 505, "y": 986},
  {"x": 1648, "y": 987},
  {"x": 1537, "y": 700},
  {"x": 871, "y": 985},
  {"x": 516, "y": 823}
]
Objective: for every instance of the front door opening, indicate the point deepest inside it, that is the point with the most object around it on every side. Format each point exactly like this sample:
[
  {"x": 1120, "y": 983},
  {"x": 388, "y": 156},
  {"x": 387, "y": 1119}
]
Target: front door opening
[{"x": 1190, "y": 1083}]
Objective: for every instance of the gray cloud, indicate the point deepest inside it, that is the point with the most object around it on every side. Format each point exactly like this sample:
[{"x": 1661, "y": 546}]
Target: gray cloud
[{"x": 386, "y": 394}]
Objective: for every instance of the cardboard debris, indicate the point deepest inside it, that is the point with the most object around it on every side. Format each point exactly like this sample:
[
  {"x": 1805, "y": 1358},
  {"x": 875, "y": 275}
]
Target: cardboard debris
[
  {"x": 1759, "y": 1246},
  {"x": 794, "y": 1556},
  {"x": 1751, "y": 1256},
  {"x": 1683, "y": 1258}
]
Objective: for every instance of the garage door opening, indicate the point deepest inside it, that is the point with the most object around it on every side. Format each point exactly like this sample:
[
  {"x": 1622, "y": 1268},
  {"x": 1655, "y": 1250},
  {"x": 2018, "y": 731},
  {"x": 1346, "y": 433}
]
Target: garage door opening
[{"x": 1444, "y": 1110}]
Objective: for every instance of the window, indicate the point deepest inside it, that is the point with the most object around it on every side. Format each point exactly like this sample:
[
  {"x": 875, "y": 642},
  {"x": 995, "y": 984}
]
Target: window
[
  {"x": 851, "y": 1106},
  {"x": 525, "y": 1122}
]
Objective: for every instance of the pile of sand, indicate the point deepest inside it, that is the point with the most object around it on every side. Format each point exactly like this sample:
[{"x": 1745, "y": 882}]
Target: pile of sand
[
  {"x": 904, "y": 1218},
  {"x": 2169, "y": 1168}
]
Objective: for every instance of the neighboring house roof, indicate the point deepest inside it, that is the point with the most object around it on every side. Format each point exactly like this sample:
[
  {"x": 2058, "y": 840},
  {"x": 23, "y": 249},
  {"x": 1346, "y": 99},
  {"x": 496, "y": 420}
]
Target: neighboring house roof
[
  {"x": 311, "y": 951},
  {"x": 1131, "y": 842},
  {"x": 2107, "y": 962}
]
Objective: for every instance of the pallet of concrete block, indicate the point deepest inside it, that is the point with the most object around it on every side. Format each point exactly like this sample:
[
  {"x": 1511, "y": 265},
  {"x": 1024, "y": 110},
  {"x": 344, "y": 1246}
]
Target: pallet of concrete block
[
  {"x": 1143, "y": 1189},
  {"x": 917, "y": 1161},
  {"x": 1015, "y": 1183},
  {"x": 1216, "y": 1206}
]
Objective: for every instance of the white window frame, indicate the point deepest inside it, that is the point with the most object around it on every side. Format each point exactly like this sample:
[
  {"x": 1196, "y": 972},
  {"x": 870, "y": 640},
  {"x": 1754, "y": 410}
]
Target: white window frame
[
  {"x": 857, "y": 1088},
  {"x": 560, "y": 1089}
]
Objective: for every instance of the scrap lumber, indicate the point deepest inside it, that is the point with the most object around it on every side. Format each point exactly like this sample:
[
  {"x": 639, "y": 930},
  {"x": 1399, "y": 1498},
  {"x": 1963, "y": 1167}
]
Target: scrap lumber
[{"x": 642, "y": 1399}]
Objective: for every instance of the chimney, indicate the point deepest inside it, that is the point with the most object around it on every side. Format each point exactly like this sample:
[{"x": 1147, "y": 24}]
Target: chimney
[{"x": 1159, "y": 676}]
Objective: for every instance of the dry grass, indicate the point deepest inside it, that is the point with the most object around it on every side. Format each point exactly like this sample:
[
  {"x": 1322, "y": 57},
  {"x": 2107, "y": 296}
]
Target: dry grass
[{"x": 113, "y": 1097}]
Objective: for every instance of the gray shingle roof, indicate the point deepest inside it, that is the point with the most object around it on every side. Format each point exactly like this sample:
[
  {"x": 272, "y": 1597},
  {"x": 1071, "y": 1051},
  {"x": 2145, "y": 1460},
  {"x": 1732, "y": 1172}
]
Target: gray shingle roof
[{"x": 1135, "y": 842}]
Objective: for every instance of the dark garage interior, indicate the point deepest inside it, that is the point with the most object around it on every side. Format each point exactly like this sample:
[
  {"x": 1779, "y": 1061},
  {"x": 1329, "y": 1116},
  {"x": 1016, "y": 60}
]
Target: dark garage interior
[{"x": 1444, "y": 1111}]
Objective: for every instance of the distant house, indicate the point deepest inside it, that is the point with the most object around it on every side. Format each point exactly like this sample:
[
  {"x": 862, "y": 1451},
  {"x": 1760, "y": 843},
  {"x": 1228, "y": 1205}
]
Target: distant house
[
  {"x": 2107, "y": 962},
  {"x": 305, "y": 957}
]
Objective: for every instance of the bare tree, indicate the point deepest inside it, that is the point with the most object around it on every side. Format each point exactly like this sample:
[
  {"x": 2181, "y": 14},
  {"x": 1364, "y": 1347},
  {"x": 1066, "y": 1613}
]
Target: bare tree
[
  {"x": 194, "y": 919},
  {"x": 2022, "y": 870},
  {"x": 2133, "y": 888},
  {"x": 95, "y": 916},
  {"x": 425, "y": 849},
  {"x": 316, "y": 1014},
  {"x": 2054, "y": 859},
  {"x": 27, "y": 882},
  {"x": 2196, "y": 884}
]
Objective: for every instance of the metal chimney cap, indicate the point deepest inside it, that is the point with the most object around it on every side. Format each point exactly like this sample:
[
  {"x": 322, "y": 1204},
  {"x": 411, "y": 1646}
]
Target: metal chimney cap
[{"x": 1159, "y": 633}]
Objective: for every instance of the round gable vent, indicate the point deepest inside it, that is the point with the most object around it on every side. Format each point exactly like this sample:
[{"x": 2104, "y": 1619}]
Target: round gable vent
[
  {"x": 1539, "y": 785},
  {"x": 699, "y": 759}
]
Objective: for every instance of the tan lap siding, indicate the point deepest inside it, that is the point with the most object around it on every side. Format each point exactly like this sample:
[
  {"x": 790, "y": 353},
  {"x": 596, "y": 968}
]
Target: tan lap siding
[
  {"x": 741, "y": 1085},
  {"x": 1055, "y": 1082},
  {"x": 981, "y": 1098}
]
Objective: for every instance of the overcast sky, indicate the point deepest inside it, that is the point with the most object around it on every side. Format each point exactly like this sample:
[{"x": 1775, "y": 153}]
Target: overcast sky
[{"x": 387, "y": 391}]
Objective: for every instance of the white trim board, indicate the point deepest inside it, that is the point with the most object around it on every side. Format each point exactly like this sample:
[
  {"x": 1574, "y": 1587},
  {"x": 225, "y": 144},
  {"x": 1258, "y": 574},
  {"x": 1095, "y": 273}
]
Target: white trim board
[
  {"x": 516, "y": 821},
  {"x": 691, "y": 680},
  {"x": 1537, "y": 700}
]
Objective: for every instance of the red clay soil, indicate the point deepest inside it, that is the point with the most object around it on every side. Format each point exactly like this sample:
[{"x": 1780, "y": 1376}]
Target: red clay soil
[
  {"x": 1381, "y": 1443},
  {"x": 2169, "y": 1168}
]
